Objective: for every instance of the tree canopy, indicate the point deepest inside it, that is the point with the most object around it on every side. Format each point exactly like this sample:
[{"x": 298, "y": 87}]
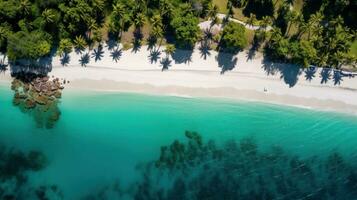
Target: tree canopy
[
  {"x": 233, "y": 37},
  {"x": 185, "y": 26},
  {"x": 28, "y": 45}
]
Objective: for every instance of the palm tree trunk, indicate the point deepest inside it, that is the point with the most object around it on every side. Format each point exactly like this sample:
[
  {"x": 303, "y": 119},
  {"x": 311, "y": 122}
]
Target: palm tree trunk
[{"x": 287, "y": 31}]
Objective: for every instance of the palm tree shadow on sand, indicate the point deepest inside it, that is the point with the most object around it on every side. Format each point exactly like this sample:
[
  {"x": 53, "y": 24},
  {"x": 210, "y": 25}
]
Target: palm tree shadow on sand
[
  {"x": 205, "y": 50},
  {"x": 65, "y": 59},
  {"x": 116, "y": 54},
  {"x": 154, "y": 56},
  {"x": 138, "y": 36},
  {"x": 226, "y": 61},
  {"x": 183, "y": 56},
  {"x": 337, "y": 77},
  {"x": 325, "y": 75},
  {"x": 84, "y": 59},
  {"x": 288, "y": 72},
  {"x": 253, "y": 50},
  {"x": 165, "y": 63},
  {"x": 111, "y": 43},
  {"x": 98, "y": 53},
  {"x": 151, "y": 41},
  {"x": 310, "y": 73},
  {"x": 3, "y": 66}
]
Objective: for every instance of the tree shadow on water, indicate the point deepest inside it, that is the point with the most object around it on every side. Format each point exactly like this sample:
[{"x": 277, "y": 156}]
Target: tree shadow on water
[
  {"x": 116, "y": 54},
  {"x": 84, "y": 59},
  {"x": 183, "y": 56},
  {"x": 65, "y": 59},
  {"x": 325, "y": 75},
  {"x": 98, "y": 53},
  {"x": 154, "y": 56},
  {"x": 226, "y": 61}
]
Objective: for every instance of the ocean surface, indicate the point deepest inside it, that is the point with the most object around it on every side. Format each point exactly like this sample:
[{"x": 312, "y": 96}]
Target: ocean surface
[{"x": 130, "y": 146}]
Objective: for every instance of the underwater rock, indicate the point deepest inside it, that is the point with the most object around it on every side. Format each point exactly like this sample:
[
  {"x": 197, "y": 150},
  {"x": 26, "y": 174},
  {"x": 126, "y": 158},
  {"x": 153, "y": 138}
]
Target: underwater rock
[
  {"x": 29, "y": 104},
  {"x": 20, "y": 95},
  {"x": 42, "y": 100},
  {"x": 40, "y": 93},
  {"x": 58, "y": 94}
]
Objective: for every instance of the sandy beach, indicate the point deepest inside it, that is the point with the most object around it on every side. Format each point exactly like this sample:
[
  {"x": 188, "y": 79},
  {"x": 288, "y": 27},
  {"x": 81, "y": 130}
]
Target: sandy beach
[{"x": 201, "y": 73}]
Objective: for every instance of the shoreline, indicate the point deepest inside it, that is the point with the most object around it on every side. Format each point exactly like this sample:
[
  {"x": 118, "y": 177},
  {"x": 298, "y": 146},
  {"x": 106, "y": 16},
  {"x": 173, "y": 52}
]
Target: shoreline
[
  {"x": 250, "y": 96},
  {"x": 216, "y": 94},
  {"x": 191, "y": 75}
]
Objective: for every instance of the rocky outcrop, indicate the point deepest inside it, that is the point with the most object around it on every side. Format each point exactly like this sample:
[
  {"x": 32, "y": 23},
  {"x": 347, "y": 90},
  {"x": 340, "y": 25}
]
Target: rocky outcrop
[{"x": 38, "y": 95}]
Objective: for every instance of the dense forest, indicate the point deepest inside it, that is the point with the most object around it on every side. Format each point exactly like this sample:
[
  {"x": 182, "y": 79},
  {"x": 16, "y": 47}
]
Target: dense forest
[{"x": 320, "y": 32}]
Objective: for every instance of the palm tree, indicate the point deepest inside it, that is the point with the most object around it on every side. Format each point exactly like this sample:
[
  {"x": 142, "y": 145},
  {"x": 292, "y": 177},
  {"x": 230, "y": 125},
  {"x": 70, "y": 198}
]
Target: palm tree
[
  {"x": 315, "y": 23},
  {"x": 266, "y": 21},
  {"x": 158, "y": 33},
  {"x": 251, "y": 20},
  {"x": 80, "y": 43},
  {"x": 119, "y": 18},
  {"x": 289, "y": 2},
  {"x": 97, "y": 36},
  {"x": 156, "y": 21},
  {"x": 165, "y": 8},
  {"x": 25, "y": 7},
  {"x": 139, "y": 21},
  {"x": 303, "y": 28},
  {"x": 92, "y": 25},
  {"x": 3, "y": 34},
  {"x": 3, "y": 37},
  {"x": 214, "y": 21},
  {"x": 230, "y": 12},
  {"x": 65, "y": 46},
  {"x": 212, "y": 11},
  {"x": 169, "y": 50},
  {"x": 292, "y": 17},
  {"x": 48, "y": 15},
  {"x": 98, "y": 4}
]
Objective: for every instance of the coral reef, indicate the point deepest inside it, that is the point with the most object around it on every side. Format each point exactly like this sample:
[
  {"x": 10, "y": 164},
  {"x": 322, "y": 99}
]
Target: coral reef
[
  {"x": 38, "y": 95},
  {"x": 14, "y": 168},
  {"x": 198, "y": 170}
]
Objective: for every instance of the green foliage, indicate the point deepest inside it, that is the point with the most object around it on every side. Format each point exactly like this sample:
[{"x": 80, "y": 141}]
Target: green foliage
[
  {"x": 170, "y": 49},
  {"x": 65, "y": 46},
  {"x": 307, "y": 53},
  {"x": 233, "y": 37},
  {"x": 327, "y": 45},
  {"x": 185, "y": 26},
  {"x": 28, "y": 45},
  {"x": 4, "y": 33},
  {"x": 80, "y": 43},
  {"x": 314, "y": 35},
  {"x": 119, "y": 18}
]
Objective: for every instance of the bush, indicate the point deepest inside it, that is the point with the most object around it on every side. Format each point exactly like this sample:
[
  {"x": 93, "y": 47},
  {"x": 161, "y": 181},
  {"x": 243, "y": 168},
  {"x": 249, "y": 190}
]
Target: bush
[
  {"x": 233, "y": 37},
  {"x": 28, "y": 45},
  {"x": 186, "y": 29},
  {"x": 65, "y": 46}
]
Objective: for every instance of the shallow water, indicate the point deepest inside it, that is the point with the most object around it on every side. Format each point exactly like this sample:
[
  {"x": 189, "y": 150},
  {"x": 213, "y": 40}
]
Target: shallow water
[{"x": 102, "y": 138}]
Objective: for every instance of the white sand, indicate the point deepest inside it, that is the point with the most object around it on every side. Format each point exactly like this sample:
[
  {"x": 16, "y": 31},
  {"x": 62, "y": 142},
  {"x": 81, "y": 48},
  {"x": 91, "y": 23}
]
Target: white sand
[{"x": 202, "y": 78}]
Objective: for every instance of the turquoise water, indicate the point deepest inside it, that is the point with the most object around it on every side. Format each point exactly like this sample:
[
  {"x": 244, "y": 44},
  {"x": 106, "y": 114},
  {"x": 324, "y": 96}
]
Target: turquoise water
[{"x": 104, "y": 138}]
